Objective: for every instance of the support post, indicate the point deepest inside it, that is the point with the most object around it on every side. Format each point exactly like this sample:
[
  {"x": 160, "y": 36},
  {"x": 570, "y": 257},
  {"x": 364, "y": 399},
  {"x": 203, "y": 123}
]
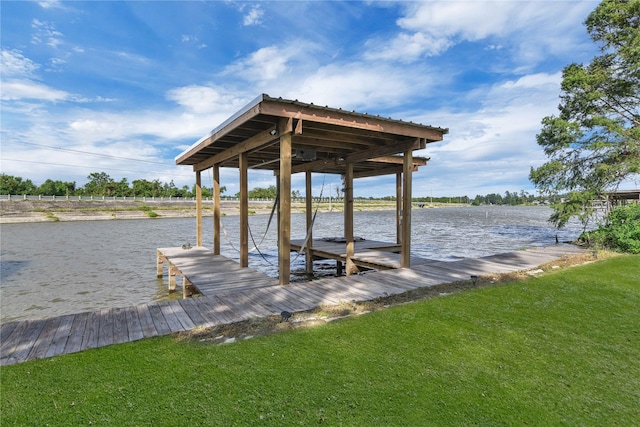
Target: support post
[
  {"x": 284, "y": 220},
  {"x": 216, "y": 210},
  {"x": 348, "y": 219},
  {"x": 173, "y": 271},
  {"x": 406, "y": 209},
  {"x": 309, "y": 212},
  {"x": 159, "y": 263},
  {"x": 244, "y": 210},
  {"x": 398, "y": 208},
  {"x": 198, "y": 208}
]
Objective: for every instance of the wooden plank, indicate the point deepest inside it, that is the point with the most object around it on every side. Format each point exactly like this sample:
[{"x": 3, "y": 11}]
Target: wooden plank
[
  {"x": 191, "y": 309},
  {"x": 181, "y": 315},
  {"x": 105, "y": 336},
  {"x": 5, "y": 331},
  {"x": 61, "y": 336},
  {"x": 146, "y": 321},
  {"x": 134, "y": 327},
  {"x": 92, "y": 331},
  {"x": 11, "y": 337},
  {"x": 76, "y": 334},
  {"x": 120, "y": 326},
  {"x": 160, "y": 323},
  {"x": 25, "y": 342},
  {"x": 45, "y": 338},
  {"x": 170, "y": 317}
]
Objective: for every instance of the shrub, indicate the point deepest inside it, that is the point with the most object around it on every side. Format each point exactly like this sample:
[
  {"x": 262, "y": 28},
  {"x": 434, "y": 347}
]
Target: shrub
[{"x": 621, "y": 231}]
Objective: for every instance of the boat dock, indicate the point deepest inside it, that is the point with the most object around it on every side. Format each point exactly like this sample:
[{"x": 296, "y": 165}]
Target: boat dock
[{"x": 231, "y": 294}]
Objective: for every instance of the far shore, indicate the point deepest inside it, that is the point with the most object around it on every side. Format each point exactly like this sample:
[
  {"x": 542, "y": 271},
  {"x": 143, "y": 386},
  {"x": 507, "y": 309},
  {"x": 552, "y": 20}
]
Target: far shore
[{"x": 29, "y": 211}]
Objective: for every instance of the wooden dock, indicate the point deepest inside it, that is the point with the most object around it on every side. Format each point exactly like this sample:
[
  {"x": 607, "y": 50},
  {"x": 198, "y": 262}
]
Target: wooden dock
[
  {"x": 371, "y": 254},
  {"x": 227, "y": 299}
]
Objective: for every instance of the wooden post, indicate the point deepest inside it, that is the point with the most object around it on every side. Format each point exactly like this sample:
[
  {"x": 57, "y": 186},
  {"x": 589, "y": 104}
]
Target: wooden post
[
  {"x": 309, "y": 211},
  {"x": 244, "y": 210},
  {"x": 284, "y": 245},
  {"x": 398, "y": 208},
  {"x": 198, "y": 208},
  {"x": 172, "y": 277},
  {"x": 159, "y": 263},
  {"x": 216, "y": 210},
  {"x": 407, "y": 172},
  {"x": 348, "y": 218}
]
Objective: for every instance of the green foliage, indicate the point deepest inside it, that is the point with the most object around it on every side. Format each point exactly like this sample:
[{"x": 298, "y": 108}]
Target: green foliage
[
  {"x": 15, "y": 185},
  {"x": 558, "y": 349},
  {"x": 621, "y": 232},
  {"x": 594, "y": 143}
]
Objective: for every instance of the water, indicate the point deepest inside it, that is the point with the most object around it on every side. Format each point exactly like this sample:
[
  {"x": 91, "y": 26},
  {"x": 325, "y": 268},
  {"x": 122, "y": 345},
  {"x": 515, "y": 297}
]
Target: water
[{"x": 51, "y": 269}]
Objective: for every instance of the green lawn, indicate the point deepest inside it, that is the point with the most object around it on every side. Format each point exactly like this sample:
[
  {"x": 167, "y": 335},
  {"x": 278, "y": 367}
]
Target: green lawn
[{"x": 559, "y": 349}]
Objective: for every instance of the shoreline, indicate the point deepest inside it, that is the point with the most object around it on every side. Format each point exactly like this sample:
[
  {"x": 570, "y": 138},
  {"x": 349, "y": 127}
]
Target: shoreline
[{"x": 30, "y": 211}]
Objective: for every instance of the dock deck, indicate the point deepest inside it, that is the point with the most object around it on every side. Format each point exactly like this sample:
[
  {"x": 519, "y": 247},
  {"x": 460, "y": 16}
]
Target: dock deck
[{"x": 231, "y": 301}]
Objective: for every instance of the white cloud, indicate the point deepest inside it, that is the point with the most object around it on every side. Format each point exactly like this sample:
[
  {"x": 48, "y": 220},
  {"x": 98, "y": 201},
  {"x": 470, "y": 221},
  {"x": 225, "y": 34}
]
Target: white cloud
[
  {"x": 254, "y": 16},
  {"x": 206, "y": 99},
  {"x": 430, "y": 28},
  {"x": 25, "y": 89},
  {"x": 45, "y": 32},
  {"x": 14, "y": 64}
]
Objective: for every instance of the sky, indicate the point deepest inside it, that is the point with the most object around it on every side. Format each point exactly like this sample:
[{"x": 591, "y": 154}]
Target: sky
[{"x": 124, "y": 87}]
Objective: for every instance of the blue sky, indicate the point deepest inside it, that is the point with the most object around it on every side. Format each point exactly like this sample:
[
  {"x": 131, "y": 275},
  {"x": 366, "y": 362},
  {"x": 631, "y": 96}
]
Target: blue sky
[{"x": 124, "y": 87}]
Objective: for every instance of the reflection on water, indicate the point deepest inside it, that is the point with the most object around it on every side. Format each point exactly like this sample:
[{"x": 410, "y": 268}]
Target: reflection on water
[{"x": 50, "y": 269}]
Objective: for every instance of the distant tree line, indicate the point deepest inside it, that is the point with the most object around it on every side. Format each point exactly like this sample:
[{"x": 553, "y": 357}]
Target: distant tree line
[
  {"x": 98, "y": 184},
  {"x": 101, "y": 184}
]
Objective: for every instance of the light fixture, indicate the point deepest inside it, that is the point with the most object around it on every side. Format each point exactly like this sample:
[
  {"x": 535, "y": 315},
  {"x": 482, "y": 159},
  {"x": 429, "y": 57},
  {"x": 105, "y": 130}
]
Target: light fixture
[{"x": 273, "y": 132}]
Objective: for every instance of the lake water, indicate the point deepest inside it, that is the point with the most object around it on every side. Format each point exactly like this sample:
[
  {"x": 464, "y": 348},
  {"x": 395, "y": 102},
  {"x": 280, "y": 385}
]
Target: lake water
[{"x": 56, "y": 268}]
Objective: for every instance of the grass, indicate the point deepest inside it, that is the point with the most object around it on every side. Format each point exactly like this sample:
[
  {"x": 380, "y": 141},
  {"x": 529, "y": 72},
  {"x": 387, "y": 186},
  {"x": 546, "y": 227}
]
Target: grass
[{"x": 557, "y": 349}]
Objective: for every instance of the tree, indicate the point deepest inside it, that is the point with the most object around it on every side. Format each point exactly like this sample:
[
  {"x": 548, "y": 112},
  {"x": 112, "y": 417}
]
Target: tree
[
  {"x": 56, "y": 188},
  {"x": 100, "y": 184},
  {"x": 594, "y": 143},
  {"x": 15, "y": 185}
]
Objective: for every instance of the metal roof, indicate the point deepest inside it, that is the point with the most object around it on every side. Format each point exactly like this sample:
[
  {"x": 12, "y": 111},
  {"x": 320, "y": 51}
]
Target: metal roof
[{"x": 323, "y": 139}]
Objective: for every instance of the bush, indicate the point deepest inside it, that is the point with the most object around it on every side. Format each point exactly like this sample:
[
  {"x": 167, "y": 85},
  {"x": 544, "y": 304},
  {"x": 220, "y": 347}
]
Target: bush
[{"x": 621, "y": 233}]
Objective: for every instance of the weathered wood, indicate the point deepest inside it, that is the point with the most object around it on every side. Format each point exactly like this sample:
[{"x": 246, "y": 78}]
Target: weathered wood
[
  {"x": 120, "y": 326},
  {"x": 216, "y": 209},
  {"x": 134, "y": 327},
  {"x": 244, "y": 211},
  {"x": 45, "y": 338},
  {"x": 198, "y": 208},
  {"x": 76, "y": 336},
  {"x": 348, "y": 219},
  {"x": 309, "y": 222},
  {"x": 28, "y": 340},
  {"x": 284, "y": 218},
  {"x": 146, "y": 321},
  {"x": 61, "y": 336},
  {"x": 406, "y": 209}
]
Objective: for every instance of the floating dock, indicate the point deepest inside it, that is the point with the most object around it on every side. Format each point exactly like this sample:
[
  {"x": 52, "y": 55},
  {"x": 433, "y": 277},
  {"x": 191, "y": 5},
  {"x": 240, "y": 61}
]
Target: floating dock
[{"x": 229, "y": 296}]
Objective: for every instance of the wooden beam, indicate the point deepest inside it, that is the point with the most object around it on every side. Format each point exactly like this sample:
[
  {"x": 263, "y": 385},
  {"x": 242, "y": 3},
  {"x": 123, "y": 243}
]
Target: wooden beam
[
  {"x": 348, "y": 219},
  {"x": 309, "y": 215},
  {"x": 406, "y": 210},
  {"x": 343, "y": 118},
  {"x": 198, "y": 209},
  {"x": 216, "y": 210},
  {"x": 244, "y": 211},
  {"x": 284, "y": 220},
  {"x": 399, "y": 160},
  {"x": 255, "y": 142},
  {"x": 390, "y": 170},
  {"x": 398, "y": 147}
]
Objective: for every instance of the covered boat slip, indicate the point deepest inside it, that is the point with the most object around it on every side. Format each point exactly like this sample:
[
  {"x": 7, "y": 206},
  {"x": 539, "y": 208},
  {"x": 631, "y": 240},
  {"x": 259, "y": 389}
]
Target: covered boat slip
[{"x": 289, "y": 137}]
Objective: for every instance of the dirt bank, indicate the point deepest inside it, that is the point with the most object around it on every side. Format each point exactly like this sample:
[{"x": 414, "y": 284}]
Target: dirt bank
[{"x": 20, "y": 211}]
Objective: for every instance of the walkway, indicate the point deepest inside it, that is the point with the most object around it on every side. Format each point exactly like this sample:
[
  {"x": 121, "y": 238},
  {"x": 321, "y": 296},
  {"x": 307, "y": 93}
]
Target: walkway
[{"x": 36, "y": 339}]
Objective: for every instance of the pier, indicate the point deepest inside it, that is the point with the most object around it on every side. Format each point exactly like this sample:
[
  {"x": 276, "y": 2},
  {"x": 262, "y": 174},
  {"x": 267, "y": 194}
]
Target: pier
[{"x": 225, "y": 299}]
